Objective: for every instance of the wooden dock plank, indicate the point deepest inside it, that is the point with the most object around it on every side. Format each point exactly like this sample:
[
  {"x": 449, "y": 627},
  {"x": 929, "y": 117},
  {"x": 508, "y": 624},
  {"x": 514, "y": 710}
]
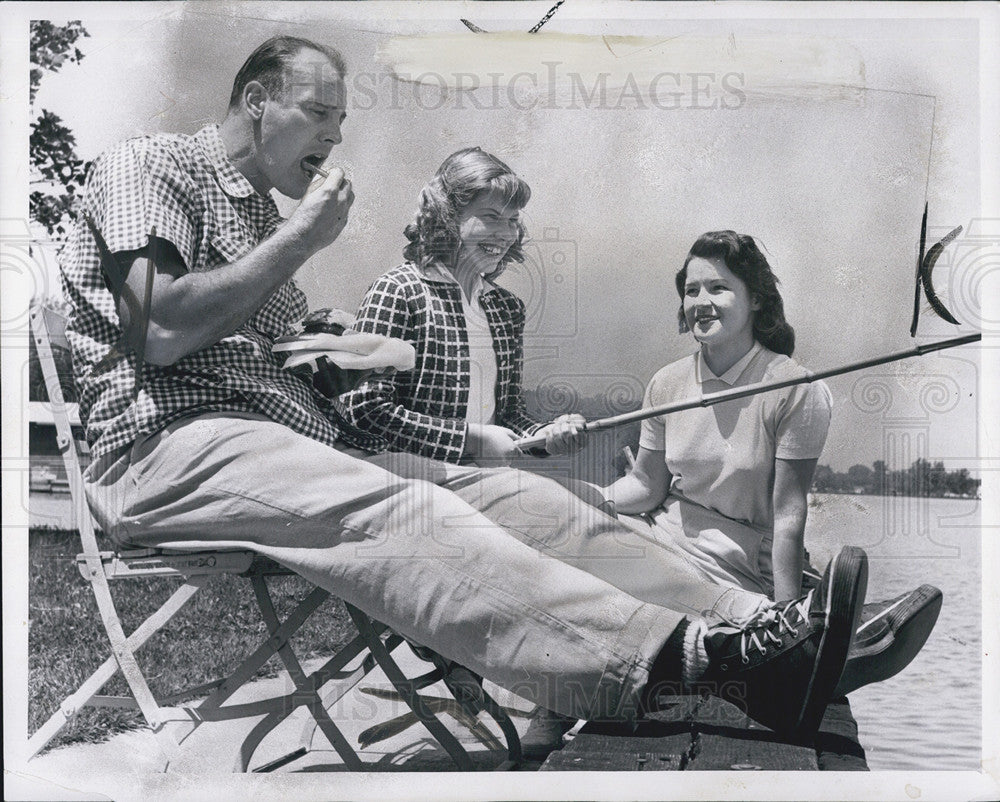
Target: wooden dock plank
[
  {"x": 725, "y": 752},
  {"x": 661, "y": 742},
  {"x": 564, "y": 760},
  {"x": 708, "y": 734},
  {"x": 727, "y": 739},
  {"x": 837, "y": 744}
]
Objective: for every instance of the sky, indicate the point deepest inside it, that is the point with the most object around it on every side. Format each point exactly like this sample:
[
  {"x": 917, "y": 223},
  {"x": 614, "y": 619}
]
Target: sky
[{"x": 822, "y": 139}]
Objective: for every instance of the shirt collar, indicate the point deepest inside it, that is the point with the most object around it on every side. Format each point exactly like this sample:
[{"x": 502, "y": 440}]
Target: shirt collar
[
  {"x": 436, "y": 272},
  {"x": 232, "y": 181},
  {"x": 730, "y": 377}
]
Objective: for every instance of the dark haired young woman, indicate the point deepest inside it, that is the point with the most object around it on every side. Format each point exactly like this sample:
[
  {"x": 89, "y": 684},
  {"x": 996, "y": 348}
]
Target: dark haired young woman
[{"x": 728, "y": 483}]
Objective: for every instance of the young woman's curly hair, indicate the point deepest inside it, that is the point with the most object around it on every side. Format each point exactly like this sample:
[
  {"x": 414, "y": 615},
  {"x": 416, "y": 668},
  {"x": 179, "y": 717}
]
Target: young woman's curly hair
[
  {"x": 745, "y": 260},
  {"x": 433, "y": 236}
]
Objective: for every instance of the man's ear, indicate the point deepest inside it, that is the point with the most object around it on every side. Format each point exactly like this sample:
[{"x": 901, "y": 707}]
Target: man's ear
[{"x": 254, "y": 96}]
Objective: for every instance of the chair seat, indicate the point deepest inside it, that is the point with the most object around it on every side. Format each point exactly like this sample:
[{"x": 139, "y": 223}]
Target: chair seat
[{"x": 130, "y": 563}]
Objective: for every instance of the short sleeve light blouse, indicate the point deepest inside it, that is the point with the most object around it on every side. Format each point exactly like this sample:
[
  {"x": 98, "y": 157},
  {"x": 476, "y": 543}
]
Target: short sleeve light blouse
[{"x": 722, "y": 457}]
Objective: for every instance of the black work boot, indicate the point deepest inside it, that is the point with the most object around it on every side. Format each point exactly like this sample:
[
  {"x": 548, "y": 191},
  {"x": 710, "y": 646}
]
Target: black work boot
[{"x": 782, "y": 665}]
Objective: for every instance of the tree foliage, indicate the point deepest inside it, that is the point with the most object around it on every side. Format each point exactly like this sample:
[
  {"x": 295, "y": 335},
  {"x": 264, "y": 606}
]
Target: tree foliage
[
  {"x": 57, "y": 173},
  {"x": 922, "y": 478},
  {"x": 36, "y": 379}
]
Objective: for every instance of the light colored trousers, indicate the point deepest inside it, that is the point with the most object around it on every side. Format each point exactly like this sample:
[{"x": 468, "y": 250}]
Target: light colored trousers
[
  {"x": 730, "y": 552},
  {"x": 503, "y": 571}
]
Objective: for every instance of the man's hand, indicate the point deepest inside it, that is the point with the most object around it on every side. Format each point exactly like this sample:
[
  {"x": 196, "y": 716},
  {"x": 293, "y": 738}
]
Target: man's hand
[
  {"x": 490, "y": 445},
  {"x": 322, "y": 214},
  {"x": 192, "y": 310},
  {"x": 565, "y": 435}
]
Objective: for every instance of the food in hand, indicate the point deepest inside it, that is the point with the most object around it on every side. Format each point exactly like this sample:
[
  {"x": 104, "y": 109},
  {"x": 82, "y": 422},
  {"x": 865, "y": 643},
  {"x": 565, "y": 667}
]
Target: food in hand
[{"x": 319, "y": 168}]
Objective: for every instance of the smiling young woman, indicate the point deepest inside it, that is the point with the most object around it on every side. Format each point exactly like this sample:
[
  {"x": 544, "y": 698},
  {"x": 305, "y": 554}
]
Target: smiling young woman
[
  {"x": 464, "y": 400},
  {"x": 718, "y": 309},
  {"x": 728, "y": 484}
]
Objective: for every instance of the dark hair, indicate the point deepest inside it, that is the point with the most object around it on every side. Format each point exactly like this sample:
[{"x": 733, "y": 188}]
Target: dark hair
[
  {"x": 744, "y": 259},
  {"x": 434, "y": 235},
  {"x": 268, "y": 63}
]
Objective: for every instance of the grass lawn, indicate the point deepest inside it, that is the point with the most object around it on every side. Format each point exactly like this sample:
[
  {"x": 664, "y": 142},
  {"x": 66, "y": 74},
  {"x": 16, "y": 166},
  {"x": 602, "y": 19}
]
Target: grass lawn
[{"x": 209, "y": 637}]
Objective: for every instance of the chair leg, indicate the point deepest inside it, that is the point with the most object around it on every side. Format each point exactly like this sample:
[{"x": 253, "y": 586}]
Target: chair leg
[
  {"x": 344, "y": 680},
  {"x": 302, "y": 687},
  {"x": 93, "y": 684},
  {"x": 499, "y": 715},
  {"x": 467, "y": 688},
  {"x": 278, "y": 708},
  {"x": 123, "y": 653},
  {"x": 405, "y": 689}
]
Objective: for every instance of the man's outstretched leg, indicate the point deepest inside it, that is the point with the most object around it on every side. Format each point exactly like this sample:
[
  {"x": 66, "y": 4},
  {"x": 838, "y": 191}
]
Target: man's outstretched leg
[
  {"x": 420, "y": 559},
  {"x": 555, "y": 522},
  {"x": 406, "y": 552}
]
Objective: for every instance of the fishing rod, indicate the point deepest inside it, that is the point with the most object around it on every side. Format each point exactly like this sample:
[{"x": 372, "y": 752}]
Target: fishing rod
[{"x": 711, "y": 399}]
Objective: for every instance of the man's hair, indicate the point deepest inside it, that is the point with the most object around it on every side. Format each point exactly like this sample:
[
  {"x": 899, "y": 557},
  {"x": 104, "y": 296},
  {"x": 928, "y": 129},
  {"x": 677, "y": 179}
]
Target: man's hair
[{"x": 269, "y": 62}]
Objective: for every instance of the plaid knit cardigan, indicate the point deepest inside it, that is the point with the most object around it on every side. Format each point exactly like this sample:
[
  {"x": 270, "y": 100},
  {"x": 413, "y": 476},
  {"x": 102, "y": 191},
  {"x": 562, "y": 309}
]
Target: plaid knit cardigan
[{"x": 424, "y": 410}]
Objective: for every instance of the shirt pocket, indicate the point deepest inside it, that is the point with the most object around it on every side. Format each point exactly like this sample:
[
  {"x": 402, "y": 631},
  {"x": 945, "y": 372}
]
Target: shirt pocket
[{"x": 229, "y": 244}]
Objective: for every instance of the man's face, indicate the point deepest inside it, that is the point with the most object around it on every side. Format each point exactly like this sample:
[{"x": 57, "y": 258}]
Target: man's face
[{"x": 301, "y": 124}]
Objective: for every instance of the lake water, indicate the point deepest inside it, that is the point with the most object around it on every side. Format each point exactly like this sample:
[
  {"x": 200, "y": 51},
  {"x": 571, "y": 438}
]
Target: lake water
[{"x": 929, "y": 716}]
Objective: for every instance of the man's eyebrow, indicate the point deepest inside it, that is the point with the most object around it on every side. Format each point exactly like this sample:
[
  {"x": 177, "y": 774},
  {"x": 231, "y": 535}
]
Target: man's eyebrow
[{"x": 324, "y": 96}]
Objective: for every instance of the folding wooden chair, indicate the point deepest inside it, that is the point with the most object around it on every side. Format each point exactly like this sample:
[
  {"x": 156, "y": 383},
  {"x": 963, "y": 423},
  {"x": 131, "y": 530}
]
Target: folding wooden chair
[{"x": 172, "y": 720}]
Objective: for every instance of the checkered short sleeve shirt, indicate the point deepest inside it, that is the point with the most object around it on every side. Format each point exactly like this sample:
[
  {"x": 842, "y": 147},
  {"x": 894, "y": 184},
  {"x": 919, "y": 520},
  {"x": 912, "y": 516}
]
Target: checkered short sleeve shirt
[
  {"x": 188, "y": 189},
  {"x": 424, "y": 410}
]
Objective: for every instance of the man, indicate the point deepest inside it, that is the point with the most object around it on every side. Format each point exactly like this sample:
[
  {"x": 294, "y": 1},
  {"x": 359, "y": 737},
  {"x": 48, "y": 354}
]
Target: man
[{"x": 221, "y": 448}]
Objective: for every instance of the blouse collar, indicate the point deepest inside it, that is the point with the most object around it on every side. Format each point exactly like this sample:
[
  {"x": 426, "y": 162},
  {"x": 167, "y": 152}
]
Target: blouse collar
[
  {"x": 434, "y": 271},
  {"x": 731, "y": 376}
]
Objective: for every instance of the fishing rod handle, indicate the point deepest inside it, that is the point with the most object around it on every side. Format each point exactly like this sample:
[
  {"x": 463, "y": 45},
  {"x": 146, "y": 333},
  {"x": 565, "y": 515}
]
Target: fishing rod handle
[
  {"x": 528, "y": 443},
  {"x": 538, "y": 441}
]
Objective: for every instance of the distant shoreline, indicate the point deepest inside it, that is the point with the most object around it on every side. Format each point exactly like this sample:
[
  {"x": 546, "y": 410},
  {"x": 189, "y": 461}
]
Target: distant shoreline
[{"x": 976, "y": 497}]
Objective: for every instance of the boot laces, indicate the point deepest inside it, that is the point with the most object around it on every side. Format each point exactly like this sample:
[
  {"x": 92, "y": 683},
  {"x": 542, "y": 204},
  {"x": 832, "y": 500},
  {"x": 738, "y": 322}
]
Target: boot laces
[{"x": 758, "y": 629}]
